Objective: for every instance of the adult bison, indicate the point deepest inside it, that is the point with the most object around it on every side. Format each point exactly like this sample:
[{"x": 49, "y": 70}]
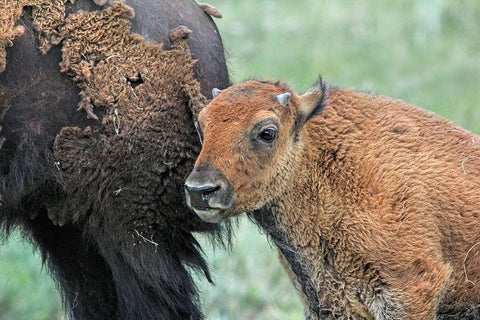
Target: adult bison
[{"x": 100, "y": 192}]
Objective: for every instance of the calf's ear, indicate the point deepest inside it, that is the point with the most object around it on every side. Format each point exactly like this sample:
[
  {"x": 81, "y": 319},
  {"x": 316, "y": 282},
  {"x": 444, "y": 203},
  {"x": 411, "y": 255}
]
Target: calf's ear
[{"x": 312, "y": 103}]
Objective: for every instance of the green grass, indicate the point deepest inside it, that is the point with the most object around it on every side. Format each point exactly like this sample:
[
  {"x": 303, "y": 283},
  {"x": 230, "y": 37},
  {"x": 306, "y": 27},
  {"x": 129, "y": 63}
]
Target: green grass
[
  {"x": 26, "y": 291},
  {"x": 249, "y": 282},
  {"x": 424, "y": 52}
]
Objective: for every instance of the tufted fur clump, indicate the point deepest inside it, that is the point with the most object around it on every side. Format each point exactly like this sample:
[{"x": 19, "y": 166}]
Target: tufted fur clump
[
  {"x": 372, "y": 203},
  {"x": 100, "y": 191},
  {"x": 49, "y": 16},
  {"x": 146, "y": 93},
  {"x": 115, "y": 68},
  {"x": 211, "y": 10}
]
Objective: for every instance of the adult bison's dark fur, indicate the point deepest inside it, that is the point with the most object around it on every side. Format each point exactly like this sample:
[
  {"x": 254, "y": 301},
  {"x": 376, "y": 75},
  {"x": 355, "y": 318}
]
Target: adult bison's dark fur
[{"x": 125, "y": 257}]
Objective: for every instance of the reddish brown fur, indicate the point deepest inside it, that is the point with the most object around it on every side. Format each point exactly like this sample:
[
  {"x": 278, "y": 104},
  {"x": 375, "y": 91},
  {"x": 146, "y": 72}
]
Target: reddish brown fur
[{"x": 376, "y": 200}]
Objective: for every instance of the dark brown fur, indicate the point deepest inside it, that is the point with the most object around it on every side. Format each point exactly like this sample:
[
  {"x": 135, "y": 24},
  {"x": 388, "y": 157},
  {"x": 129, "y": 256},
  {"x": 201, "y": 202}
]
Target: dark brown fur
[
  {"x": 373, "y": 204},
  {"x": 103, "y": 200}
]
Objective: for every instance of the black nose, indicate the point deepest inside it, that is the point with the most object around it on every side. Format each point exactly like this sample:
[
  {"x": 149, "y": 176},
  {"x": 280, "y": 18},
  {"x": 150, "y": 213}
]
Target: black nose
[
  {"x": 207, "y": 190},
  {"x": 199, "y": 196}
]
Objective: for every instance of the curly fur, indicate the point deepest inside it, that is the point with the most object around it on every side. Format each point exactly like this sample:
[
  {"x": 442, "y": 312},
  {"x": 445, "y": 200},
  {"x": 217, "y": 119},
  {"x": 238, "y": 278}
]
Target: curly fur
[
  {"x": 103, "y": 200},
  {"x": 372, "y": 203}
]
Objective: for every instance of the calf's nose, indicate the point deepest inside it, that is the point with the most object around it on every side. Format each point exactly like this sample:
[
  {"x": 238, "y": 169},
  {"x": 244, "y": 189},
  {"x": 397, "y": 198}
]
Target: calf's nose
[
  {"x": 207, "y": 190},
  {"x": 200, "y": 195}
]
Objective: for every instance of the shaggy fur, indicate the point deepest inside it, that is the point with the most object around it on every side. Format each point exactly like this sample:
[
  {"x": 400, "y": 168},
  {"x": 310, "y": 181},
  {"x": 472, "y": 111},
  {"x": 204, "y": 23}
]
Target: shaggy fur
[
  {"x": 102, "y": 199},
  {"x": 49, "y": 16},
  {"x": 373, "y": 203}
]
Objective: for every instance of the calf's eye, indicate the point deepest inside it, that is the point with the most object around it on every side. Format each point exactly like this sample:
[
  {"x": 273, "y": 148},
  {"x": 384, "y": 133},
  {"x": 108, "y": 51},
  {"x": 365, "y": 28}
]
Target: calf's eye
[{"x": 268, "y": 135}]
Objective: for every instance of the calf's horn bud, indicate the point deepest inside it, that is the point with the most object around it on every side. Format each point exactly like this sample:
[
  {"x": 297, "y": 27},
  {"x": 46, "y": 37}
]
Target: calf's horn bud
[
  {"x": 284, "y": 98},
  {"x": 216, "y": 92}
]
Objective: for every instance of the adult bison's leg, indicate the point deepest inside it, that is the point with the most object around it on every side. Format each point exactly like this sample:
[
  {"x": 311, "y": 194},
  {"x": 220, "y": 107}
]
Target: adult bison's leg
[{"x": 85, "y": 280}]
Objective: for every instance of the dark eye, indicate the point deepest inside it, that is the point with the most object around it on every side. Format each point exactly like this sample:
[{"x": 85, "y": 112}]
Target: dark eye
[{"x": 268, "y": 135}]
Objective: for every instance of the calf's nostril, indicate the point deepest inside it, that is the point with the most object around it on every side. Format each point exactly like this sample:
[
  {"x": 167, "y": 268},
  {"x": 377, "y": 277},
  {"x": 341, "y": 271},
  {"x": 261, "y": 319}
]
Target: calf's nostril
[
  {"x": 199, "y": 196},
  {"x": 202, "y": 189},
  {"x": 206, "y": 193}
]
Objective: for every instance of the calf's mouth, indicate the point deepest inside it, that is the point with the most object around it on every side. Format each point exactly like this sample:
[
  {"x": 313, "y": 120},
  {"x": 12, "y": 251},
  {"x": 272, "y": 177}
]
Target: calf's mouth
[{"x": 208, "y": 193}]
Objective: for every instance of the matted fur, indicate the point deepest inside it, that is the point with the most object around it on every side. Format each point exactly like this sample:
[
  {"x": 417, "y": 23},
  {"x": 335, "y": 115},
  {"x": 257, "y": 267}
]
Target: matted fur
[
  {"x": 49, "y": 16},
  {"x": 373, "y": 203},
  {"x": 103, "y": 199}
]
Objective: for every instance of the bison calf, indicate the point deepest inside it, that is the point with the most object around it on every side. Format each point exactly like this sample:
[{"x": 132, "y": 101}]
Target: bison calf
[{"x": 373, "y": 203}]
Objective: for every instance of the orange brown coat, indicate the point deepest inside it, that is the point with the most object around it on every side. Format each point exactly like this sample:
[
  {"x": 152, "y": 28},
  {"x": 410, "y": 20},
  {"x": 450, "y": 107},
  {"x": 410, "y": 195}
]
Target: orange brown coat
[{"x": 373, "y": 203}]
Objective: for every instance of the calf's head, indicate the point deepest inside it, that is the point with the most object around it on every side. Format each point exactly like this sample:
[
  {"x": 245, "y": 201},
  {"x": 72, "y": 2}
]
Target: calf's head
[{"x": 252, "y": 139}]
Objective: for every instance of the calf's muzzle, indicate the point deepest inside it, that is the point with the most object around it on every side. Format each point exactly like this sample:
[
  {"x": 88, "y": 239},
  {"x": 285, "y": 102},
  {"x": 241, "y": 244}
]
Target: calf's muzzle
[{"x": 208, "y": 193}]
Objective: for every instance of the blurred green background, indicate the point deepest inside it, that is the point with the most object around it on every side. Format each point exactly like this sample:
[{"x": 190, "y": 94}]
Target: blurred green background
[{"x": 424, "y": 52}]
